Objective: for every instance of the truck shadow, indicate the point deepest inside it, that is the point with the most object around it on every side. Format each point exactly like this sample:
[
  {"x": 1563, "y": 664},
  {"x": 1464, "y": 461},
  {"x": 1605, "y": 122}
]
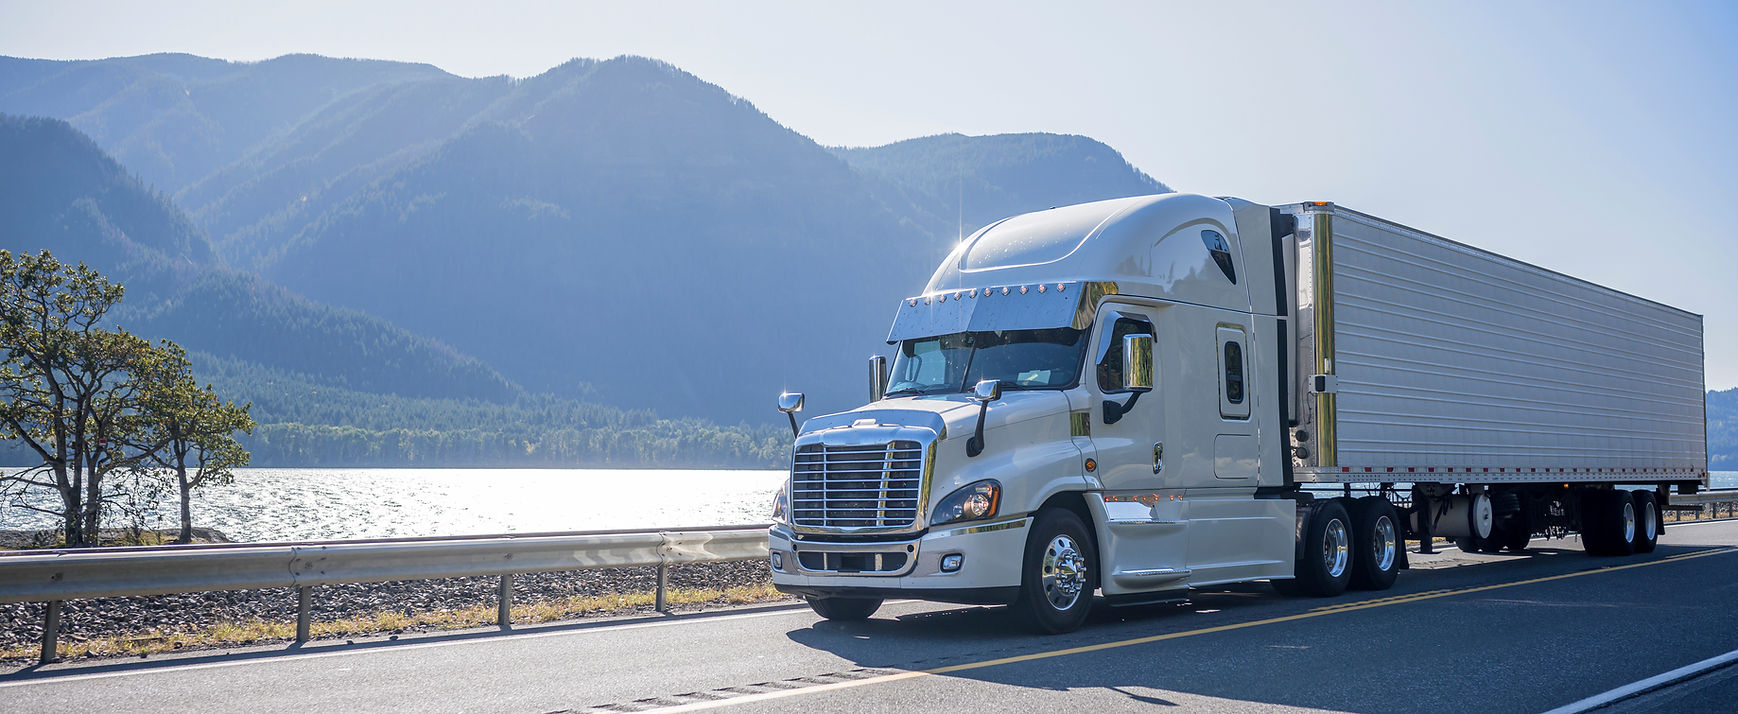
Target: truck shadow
[{"x": 1245, "y": 643}]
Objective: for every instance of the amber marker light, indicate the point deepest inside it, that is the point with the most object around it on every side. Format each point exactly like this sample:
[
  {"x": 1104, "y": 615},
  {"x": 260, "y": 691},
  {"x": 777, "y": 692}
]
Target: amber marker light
[{"x": 1091, "y": 464}]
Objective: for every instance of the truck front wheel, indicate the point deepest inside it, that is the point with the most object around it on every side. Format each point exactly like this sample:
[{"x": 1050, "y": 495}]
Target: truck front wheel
[
  {"x": 848, "y": 609},
  {"x": 1056, "y": 575}
]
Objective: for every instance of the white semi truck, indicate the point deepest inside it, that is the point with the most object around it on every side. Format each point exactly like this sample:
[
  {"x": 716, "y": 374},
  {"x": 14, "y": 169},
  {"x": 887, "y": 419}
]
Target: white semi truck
[{"x": 1140, "y": 396}]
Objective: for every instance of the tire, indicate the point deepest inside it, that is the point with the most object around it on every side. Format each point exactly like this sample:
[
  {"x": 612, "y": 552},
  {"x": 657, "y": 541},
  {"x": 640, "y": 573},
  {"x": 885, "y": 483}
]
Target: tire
[
  {"x": 1647, "y": 522},
  {"x": 1376, "y": 543},
  {"x": 1593, "y": 529},
  {"x": 1608, "y": 523},
  {"x": 845, "y": 609},
  {"x": 1058, "y": 574},
  {"x": 1518, "y": 530},
  {"x": 1466, "y": 545},
  {"x": 1325, "y": 567}
]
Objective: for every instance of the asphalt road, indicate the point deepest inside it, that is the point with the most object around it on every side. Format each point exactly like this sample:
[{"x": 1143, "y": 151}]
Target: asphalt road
[{"x": 1459, "y": 632}]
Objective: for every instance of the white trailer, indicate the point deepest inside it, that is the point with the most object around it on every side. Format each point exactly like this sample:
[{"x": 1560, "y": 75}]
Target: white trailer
[{"x": 1140, "y": 396}]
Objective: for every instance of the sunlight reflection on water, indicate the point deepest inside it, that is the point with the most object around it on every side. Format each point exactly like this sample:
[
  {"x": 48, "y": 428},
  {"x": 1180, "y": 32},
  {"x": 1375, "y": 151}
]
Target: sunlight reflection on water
[{"x": 315, "y": 504}]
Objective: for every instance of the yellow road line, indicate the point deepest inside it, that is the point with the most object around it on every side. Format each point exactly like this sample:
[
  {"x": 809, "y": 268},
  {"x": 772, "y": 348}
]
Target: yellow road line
[{"x": 1318, "y": 612}]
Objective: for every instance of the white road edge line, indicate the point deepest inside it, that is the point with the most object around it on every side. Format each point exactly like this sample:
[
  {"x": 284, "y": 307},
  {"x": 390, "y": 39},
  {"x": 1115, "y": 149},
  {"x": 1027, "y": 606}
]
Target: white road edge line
[
  {"x": 505, "y": 636},
  {"x": 1654, "y": 682}
]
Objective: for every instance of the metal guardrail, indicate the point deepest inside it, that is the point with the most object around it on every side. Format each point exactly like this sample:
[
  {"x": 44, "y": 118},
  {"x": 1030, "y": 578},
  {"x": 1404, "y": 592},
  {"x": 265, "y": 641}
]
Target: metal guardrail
[
  {"x": 53, "y": 576},
  {"x": 1718, "y": 495}
]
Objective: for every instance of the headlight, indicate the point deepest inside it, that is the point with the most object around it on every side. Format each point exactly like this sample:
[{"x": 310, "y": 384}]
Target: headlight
[
  {"x": 780, "y": 506},
  {"x": 974, "y": 502}
]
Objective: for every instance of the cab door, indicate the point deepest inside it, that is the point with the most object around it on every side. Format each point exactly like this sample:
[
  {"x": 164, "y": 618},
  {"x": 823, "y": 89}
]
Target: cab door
[
  {"x": 1142, "y": 533},
  {"x": 1128, "y": 436}
]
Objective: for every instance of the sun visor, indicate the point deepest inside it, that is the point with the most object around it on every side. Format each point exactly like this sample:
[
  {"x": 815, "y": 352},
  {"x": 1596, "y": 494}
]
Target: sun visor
[{"x": 1002, "y": 307}]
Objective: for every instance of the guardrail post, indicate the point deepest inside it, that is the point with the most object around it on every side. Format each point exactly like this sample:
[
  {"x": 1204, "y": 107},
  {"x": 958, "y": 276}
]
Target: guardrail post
[
  {"x": 50, "y": 631},
  {"x": 304, "y": 612},
  {"x": 504, "y": 615},
  {"x": 660, "y": 596},
  {"x": 663, "y": 583}
]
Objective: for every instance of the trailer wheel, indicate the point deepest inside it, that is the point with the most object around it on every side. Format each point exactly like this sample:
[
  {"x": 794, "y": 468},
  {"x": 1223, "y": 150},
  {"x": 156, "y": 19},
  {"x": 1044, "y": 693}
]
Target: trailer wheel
[
  {"x": 1325, "y": 567},
  {"x": 1515, "y": 539},
  {"x": 1647, "y": 521},
  {"x": 845, "y": 609},
  {"x": 1517, "y": 531},
  {"x": 1608, "y": 522},
  {"x": 1376, "y": 543},
  {"x": 1057, "y": 578}
]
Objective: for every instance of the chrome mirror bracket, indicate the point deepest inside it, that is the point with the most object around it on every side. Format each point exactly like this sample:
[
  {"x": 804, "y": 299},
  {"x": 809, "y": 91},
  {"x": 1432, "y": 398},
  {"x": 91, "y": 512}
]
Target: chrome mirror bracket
[{"x": 987, "y": 391}]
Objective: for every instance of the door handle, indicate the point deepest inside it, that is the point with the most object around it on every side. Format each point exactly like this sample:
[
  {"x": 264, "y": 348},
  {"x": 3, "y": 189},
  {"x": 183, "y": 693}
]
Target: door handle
[{"x": 1158, "y": 456}]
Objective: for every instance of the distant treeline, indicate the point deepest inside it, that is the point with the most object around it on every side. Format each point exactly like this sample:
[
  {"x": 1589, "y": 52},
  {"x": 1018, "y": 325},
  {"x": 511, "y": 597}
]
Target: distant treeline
[{"x": 296, "y": 414}]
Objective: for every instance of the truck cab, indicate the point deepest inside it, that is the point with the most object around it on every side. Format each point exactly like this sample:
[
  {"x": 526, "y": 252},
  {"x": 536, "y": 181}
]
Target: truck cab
[{"x": 1089, "y": 398}]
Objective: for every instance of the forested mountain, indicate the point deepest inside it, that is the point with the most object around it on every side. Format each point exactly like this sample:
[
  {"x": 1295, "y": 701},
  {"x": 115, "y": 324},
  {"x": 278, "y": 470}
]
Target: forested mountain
[
  {"x": 329, "y": 386},
  {"x": 173, "y": 119},
  {"x": 60, "y": 192},
  {"x": 619, "y": 230}
]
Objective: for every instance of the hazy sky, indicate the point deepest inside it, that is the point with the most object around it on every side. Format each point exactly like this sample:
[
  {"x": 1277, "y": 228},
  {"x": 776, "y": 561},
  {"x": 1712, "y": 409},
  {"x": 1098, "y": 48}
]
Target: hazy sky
[{"x": 1595, "y": 138}]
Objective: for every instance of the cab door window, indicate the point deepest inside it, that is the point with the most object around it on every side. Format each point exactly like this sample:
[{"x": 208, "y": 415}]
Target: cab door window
[{"x": 1110, "y": 366}]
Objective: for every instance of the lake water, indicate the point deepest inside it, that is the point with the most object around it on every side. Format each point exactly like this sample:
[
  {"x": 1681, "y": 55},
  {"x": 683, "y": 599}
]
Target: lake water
[{"x": 318, "y": 504}]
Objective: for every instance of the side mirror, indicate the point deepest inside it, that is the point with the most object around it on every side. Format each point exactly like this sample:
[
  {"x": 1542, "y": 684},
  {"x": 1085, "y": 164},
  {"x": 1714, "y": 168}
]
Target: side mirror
[
  {"x": 1137, "y": 363},
  {"x": 877, "y": 377},
  {"x": 790, "y": 403},
  {"x": 987, "y": 391}
]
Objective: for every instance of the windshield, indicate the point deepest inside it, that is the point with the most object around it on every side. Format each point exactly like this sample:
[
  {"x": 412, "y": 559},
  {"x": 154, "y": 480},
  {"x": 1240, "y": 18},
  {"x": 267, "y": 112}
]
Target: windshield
[{"x": 1021, "y": 359}]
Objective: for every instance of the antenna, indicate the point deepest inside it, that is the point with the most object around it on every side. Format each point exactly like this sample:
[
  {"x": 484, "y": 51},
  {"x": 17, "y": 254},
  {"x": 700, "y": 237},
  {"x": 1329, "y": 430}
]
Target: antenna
[{"x": 961, "y": 203}]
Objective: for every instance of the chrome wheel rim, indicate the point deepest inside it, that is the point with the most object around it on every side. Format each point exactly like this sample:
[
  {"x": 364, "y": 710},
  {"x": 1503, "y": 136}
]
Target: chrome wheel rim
[
  {"x": 1649, "y": 521},
  {"x": 1063, "y": 571},
  {"x": 1629, "y": 521},
  {"x": 1336, "y": 551},
  {"x": 1383, "y": 544}
]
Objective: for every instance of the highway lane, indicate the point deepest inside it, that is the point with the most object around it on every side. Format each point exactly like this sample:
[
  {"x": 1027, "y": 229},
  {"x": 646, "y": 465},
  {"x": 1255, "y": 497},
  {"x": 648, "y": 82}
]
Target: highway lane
[{"x": 1506, "y": 633}]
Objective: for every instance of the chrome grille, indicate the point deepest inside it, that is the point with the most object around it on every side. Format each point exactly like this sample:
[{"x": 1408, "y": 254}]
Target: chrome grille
[{"x": 874, "y": 486}]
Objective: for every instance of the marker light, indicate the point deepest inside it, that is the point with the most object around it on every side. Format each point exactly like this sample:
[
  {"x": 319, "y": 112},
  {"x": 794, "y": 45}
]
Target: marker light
[
  {"x": 1040, "y": 288},
  {"x": 1004, "y": 291}
]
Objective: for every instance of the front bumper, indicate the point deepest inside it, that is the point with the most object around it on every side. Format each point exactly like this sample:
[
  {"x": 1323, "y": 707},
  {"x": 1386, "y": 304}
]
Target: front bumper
[{"x": 908, "y": 568}]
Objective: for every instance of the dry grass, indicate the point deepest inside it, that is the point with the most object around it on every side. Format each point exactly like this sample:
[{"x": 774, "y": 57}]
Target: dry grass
[{"x": 232, "y": 634}]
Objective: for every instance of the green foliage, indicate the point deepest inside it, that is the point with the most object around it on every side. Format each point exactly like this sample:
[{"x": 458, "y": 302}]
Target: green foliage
[
  {"x": 186, "y": 434},
  {"x": 79, "y": 397}
]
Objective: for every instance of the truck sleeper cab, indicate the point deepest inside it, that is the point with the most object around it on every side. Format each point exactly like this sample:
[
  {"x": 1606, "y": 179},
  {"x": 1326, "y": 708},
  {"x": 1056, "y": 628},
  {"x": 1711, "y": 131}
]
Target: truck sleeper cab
[{"x": 1132, "y": 397}]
